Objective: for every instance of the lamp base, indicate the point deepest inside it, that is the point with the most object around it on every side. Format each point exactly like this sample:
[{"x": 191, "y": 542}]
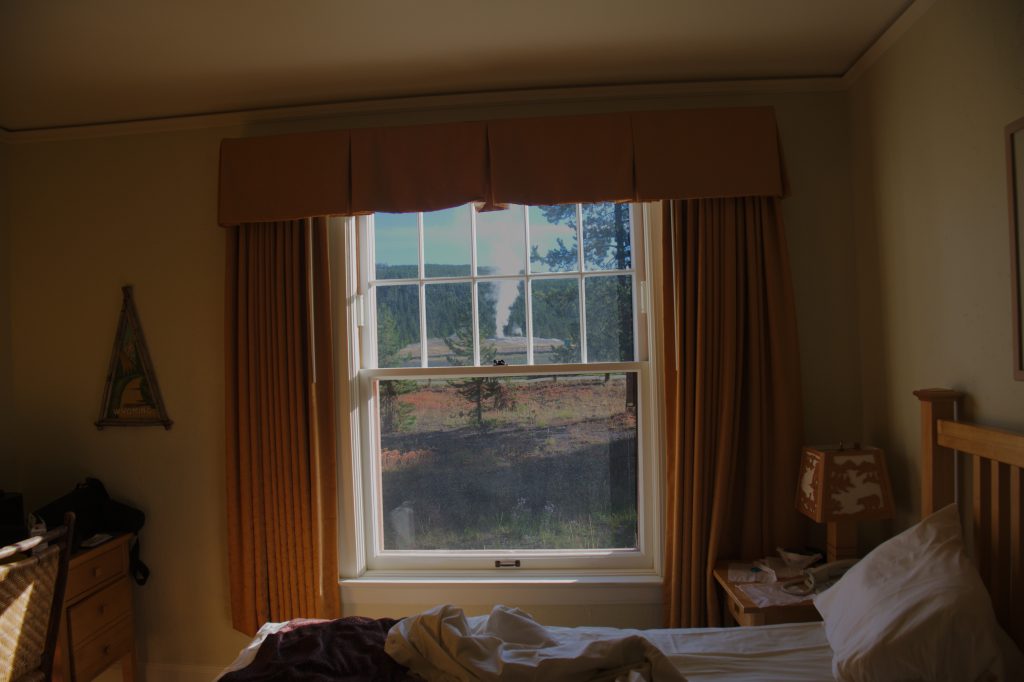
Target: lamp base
[{"x": 842, "y": 540}]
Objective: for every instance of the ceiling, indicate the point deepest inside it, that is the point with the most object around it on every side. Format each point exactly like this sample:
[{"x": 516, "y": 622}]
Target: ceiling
[{"x": 99, "y": 61}]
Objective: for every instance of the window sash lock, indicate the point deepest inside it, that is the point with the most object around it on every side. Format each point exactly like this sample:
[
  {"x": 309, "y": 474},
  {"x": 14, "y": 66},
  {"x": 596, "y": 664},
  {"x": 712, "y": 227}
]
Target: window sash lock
[{"x": 506, "y": 564}]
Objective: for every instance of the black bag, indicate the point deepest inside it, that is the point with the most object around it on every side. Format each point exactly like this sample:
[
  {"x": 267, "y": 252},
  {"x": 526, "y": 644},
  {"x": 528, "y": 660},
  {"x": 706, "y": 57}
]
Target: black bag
[{"x": 95, "y": 513}]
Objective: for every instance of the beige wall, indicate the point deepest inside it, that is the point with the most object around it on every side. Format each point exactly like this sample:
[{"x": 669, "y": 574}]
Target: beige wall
[
  {"x": 91, "y": 215},
  {"x": 930, "y": 214},
  {"x": 9, "y": 464}
]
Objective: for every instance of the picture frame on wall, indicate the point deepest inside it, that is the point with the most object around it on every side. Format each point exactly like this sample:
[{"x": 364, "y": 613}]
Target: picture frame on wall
[
  {"x": 1015, "y": 188},
  {"x": 131, "y": 396}
]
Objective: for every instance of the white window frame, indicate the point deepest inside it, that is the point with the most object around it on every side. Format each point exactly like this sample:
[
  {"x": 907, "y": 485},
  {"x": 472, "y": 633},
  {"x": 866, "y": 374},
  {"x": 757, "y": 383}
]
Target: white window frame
[{"x": 362, "y": 554}]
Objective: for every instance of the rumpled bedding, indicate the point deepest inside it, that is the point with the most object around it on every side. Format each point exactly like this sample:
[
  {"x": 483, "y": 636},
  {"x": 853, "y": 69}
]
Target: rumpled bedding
[
  {"x": 443, "y": 645},
  {"x": 344, "y": 650},
  {"x": 353, "y": 649}
]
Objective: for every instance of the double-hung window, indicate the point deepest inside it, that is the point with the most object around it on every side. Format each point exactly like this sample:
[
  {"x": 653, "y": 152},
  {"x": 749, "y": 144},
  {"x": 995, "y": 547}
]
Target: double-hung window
[{"x": 505, "y": 412}]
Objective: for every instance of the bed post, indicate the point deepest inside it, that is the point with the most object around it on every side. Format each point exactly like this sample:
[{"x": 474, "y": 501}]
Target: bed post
[{"x": 937, "y": 463}]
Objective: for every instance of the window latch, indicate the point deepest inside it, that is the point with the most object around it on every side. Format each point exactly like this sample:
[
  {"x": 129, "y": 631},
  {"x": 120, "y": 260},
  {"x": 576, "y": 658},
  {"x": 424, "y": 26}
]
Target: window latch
[
  {"x": 360, "y": 309},
  {"x": 506, "y": 564}
]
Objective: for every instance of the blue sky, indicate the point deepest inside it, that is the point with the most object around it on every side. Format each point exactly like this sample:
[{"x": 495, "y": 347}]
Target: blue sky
[{"x": 446, "y": 237}]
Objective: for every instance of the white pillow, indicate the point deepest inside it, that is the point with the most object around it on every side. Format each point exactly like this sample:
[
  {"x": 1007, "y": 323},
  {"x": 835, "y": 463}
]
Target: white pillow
[{"x": 916, "y": 609}]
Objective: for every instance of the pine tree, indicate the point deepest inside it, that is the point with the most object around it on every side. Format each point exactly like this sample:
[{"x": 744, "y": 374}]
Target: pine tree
[
  {"x": 394, "y": 415},
  {"x": 477, "y": 390},
  {"x": 606, "y": 246}
]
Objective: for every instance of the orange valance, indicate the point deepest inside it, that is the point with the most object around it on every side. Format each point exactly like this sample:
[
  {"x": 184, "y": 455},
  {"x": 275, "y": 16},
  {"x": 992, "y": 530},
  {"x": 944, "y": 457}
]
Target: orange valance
[
  {"x": 430, "y": 167},
  {"x": 563, "y": 160},
  {"x": 706, "y": 154},
  {"x": 644, "y": 156},
  {"x": 284, "y": 177}
]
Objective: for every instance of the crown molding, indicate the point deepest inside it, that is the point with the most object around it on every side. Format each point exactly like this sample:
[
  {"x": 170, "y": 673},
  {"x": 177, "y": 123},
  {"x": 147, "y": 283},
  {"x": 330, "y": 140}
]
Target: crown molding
[
  {"x": 475, "y": 100},
  {"x": 889, "y": 37}
]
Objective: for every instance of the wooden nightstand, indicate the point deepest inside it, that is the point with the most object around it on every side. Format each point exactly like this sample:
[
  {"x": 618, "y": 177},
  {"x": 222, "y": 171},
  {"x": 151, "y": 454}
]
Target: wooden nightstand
[
  {"x": 97, "y": 626},
  {"x": 747, "y": 613}
]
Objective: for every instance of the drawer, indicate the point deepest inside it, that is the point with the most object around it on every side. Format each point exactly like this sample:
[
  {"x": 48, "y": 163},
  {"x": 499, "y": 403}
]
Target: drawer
[
  {"x": 100, "y": 610},
  {"x": 103, "y": 650},
  {"x": 95, "y": 571},
  {"x": 735, "y": 609}
]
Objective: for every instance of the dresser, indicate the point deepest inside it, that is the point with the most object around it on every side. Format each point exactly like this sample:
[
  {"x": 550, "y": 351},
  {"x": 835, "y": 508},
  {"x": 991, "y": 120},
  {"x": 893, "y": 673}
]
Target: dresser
[{"x": 97, "y": 627}]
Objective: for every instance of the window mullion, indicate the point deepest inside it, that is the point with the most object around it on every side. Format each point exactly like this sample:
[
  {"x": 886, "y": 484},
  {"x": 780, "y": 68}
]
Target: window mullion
[
  {"x": 421, "y": 290},
  {"x": 461, "y": 371},
  {"x": 579, "y": 237},
  {"x": 369, "y": 331},
  {"x": 528, "y": 288},
  {"x": 583, "y": 320},
  {"x": 582, "y": 298},
  {"x": 474, "y": 318},
  {"x": 558, "y": 274},
  {"x": 420, "y": 238},
  {"x": 640, "y": 300}
]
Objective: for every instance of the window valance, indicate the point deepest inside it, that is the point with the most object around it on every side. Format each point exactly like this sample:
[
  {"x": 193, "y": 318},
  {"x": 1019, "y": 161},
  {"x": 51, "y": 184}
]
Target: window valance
[{"x": 642, "y": 156}]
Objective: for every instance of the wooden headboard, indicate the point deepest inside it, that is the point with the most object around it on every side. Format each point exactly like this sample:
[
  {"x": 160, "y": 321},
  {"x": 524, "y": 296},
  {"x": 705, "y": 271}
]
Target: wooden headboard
[{"x": 996, "y": 514}]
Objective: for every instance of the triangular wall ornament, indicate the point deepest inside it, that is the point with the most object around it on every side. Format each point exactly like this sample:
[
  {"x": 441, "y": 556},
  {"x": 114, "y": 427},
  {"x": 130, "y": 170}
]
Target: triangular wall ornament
[{"x": 131, "y": 396}]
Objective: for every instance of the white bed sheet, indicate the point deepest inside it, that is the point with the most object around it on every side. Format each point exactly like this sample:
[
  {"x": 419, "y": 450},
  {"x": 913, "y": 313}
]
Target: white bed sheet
[{"x": 772, "y": 653}]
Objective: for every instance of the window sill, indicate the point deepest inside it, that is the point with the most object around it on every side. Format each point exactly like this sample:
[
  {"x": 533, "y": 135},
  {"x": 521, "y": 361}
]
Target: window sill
[{"x": 488, "y": 589}]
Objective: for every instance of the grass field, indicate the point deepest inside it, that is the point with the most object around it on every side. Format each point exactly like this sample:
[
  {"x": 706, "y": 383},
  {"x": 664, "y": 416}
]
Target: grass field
[{"x": 555, "y": 468}]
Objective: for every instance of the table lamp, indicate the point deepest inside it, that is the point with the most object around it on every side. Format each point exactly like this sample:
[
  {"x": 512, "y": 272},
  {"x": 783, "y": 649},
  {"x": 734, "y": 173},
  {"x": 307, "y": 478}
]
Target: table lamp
[{"x": 841, "y": 486}]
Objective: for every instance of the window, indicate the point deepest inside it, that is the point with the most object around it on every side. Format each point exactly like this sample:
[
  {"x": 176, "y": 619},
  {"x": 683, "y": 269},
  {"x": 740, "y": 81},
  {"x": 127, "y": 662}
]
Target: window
[{"x": 504, "y": 389}]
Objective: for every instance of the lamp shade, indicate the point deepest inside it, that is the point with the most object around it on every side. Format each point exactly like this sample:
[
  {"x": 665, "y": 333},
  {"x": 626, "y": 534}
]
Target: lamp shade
[{"x": 844, "y": 484}]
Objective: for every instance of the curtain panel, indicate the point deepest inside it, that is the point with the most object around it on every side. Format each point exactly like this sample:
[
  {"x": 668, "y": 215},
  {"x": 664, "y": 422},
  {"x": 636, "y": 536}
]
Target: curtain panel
[
  {"x": 643, "y": 156},
  {"x": 280, "y": 433},
  {"x": 733, "y": 399}
]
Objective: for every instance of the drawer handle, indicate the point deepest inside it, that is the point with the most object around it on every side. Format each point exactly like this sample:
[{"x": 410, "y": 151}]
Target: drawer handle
[{"x": 106, "y": 649}]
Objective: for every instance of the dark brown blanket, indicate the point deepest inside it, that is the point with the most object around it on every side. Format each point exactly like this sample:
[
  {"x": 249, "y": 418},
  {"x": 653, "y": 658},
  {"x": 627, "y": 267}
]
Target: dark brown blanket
[{"x": 344, "y": 650}]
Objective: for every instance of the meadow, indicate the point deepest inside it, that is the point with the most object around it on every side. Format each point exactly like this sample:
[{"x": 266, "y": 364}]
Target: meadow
[{"x": 550, "y": 466}]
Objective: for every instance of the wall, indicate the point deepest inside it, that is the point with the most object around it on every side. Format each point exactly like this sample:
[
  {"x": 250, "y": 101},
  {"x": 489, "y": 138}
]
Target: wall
[
  {"x": 930, "y": 211},
  {"x": 10, "y": 464},
  {"x": 90, "y": 215}
]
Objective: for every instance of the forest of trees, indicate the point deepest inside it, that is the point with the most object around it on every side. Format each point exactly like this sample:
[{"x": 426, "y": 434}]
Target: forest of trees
[{"x": 606, "y": 246}]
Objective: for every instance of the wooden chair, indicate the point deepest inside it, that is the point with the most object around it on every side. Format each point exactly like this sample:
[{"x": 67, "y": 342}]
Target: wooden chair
[{"x": 31, "y": 600}]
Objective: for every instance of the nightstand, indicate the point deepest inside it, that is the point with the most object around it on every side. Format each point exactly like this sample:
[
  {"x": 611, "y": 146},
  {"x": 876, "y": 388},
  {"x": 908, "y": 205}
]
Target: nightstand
[
  {"x": 747, "y": 613},
  {"x": 97, "y": 626}
]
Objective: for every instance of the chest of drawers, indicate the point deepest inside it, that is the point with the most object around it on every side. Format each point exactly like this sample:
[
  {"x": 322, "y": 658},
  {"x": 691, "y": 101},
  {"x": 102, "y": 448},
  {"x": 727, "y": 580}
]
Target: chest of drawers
[{"x": 97, "y": 627}]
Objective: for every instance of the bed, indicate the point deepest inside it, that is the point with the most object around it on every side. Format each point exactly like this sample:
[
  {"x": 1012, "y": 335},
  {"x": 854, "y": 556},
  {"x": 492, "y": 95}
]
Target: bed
[{"x": 915, "y": 608}]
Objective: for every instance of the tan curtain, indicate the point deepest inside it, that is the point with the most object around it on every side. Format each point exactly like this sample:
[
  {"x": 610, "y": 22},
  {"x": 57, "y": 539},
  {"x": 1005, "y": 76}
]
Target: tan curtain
[
  {"x": 282, "y": 502},
  {"x": 733, "y": 400}
]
